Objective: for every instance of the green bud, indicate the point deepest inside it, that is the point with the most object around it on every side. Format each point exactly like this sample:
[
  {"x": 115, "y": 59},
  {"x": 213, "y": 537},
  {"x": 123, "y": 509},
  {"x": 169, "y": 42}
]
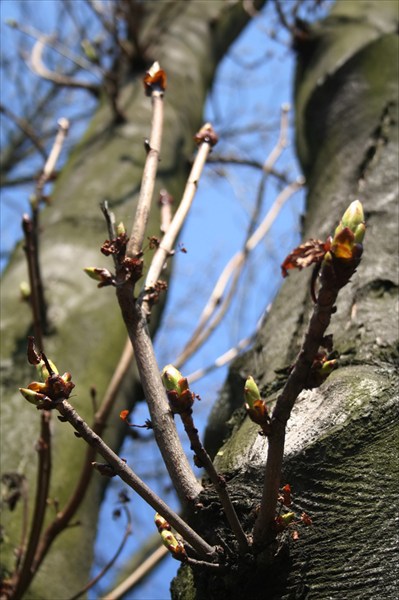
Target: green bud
[
  {"x": 103, "y": 276},
  {"x": 175, "y": 547},
  {"x": 89, "y": 50},
  {"x": 251, "y": 392},
  {"x": 161, "y": 523},
  {"x": 96, "y": 273},
  {"x": 42, "y": 369},
  {"x": 120, "y": 229},
  {"x": 353, "y": 216},
  {"x": 169, "y": 540},
  {"x": 33, "y": 397},
  {"x": 172, "y": 379},
  {"x": 24, "y": 289},
  {"x": 353, "y": 219},
  {"x": 359, "y": 233},
  {"x": 328, "y": 367},
  {"x": 287, "y": 518}
]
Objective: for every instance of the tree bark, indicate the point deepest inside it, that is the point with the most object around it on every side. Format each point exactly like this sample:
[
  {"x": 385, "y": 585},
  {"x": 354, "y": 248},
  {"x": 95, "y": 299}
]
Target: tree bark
[
  {"x": 188, "y": 39},
  {"x": 340, "y": 454}
]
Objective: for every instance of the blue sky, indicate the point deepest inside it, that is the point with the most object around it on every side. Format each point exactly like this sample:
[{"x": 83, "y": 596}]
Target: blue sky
[{"x": 218, "y": 221}]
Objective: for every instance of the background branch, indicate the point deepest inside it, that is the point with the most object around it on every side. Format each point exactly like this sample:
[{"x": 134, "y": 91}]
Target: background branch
[{"x": 121, "y": 469}]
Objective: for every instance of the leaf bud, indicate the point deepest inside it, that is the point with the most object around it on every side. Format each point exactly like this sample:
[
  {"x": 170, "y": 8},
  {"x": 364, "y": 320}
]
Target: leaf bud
[
  {"x": 42, "y": 370},
  {"x": 353, "y": 218},
  {"x": 161, "y": 523},
  {"x": 103, "y": 276},
  {"x": 24, "y": 290},
  {"x": 120, "y": 229},
  {"x": 175, "y": 547},
  {"x": 350, "y": 233},
  {"x": 33, "y": 397},
  {"x": 173, "y": 380},
  {"x": 251, "y": 392},
  {"x": 287, "y": 518},
  {"x": 154, "y": 79},
  {"x": 206, "y": 135}
]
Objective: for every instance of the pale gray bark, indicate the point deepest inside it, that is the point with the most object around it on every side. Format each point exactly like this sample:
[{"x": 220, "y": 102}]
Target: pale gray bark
[{"x": 341, "y": 451}]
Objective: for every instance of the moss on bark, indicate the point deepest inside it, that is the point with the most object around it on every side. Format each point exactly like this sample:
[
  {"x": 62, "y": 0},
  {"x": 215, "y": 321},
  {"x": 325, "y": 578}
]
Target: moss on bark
[{"x": 340, "y": 459}]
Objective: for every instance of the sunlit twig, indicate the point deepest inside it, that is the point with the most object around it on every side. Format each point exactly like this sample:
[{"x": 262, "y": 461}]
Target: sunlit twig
[
  {"x": 217, "y": 306},
  {"x": 40, "y": 69},
  {"x": 232, "y": 270},
  {"x": 137, "y": 574},
  {"x": 110, "y": 563},
  {"x": 169, "y": 239}
]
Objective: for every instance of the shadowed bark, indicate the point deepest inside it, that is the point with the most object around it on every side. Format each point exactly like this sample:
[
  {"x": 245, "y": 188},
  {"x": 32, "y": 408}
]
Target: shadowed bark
[
  {"x": 340, "y": 448},
  {"x": 88, "y": 334}
]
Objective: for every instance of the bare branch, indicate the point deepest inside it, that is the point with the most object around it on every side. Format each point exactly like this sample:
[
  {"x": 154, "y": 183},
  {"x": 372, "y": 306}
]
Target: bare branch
[
  {"x": 24, "y": 576},
  {"x": 65, "y": 515},
  {"x": 26, "y": 129},
  {"x": 63, "y": 50},
  {"x": 182, "y": 476},
  {"x": 246, "y": 162},
  {"x": 48, "y": 169},
  {"x": 226, "y": 357},
  {"x": 233, "y": 269},
  {"x": 40, "y": 69},
  {"x": 218, "y": 481},
  {"x": 335, "y": 274},
  {"x": 110, "y": 563},
  {"x": 169, "y": 239},
  {"x": 135, "y": 243},
  {"x": 121, "y": 469},
  {"x": 137, "y": 574},
  {"x": 282, "y": 141}
]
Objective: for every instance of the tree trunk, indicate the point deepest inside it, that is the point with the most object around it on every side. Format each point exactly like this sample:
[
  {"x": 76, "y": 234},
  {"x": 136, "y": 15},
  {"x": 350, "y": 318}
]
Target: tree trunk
[
  {"x": 188, "y": 39},
  {"x": 340, "y": 455}
]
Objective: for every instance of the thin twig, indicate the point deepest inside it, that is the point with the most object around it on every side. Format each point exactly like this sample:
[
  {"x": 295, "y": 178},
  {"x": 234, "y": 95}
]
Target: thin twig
[
  {"x": 169, "y": 239},
  {"x": 39, "y": 68},
  {"x": 217, "y": 480},
  {"x": 227, "y": 356},
  {"x": 182, "y": 476},
  {"x": 26, "y": 574},
  {"x": 26, "y": 129},
  {"x": 333, "y": 278},
  {"x": 121, "y": 469},
  {"x": 53, "y": 43},
  {"x": 48, "y": 169},
  {"x": 135, "y": 243},
  {"x": 49, "y": 166},
  {"x": 65, "y": 515},
  {"x": 110, "y": 563},
  {"x": 38, "y": 306},
  {"x": 233, "y": 269},
  {"x": 282, "y": 141},
  {"x": 110, "y": 220},
  {"x": 20, "y": 552},
  {"x": 30, "y": 251},
  {"x": 137, "y": 574}
]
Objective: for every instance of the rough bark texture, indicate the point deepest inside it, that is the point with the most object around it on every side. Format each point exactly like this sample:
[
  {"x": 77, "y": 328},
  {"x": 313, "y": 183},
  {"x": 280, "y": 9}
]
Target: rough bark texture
[
  {"x": 341, "y": 445},
  {"x": 188, "y": 38}
]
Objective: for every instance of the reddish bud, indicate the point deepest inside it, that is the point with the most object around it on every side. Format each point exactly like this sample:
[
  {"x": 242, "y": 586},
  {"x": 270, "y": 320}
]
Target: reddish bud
[
  {"x": 154, "y": 80},
  {"x": 123, "y": 414},
  {"x": 206, "y": 135},
  {"x": 306, "y": 520}
]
